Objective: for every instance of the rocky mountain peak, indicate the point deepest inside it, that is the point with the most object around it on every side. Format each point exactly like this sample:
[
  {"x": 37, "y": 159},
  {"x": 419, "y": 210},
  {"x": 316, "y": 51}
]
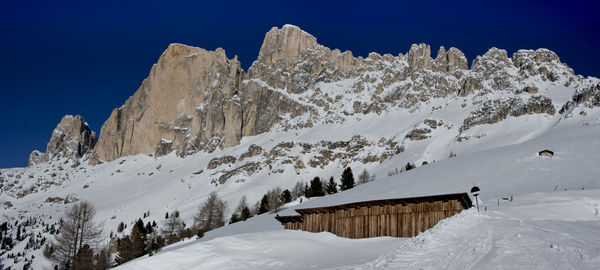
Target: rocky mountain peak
[
  {"x": 542, "y": 62},
  {"x": 451, "y": 60},
  {"x": 419, "y": 56},
  {"x": 284, "y": 46},
  {"x": 72, "y": 138},
  {"x": 181, "y": 106},
  {"x": 494, "y": 56},
  {"x": 540, "y": 55}
]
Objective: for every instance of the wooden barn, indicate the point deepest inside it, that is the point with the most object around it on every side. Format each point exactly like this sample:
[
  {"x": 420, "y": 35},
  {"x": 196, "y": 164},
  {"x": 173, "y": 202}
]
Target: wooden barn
[{"x": 404, "y": 217}]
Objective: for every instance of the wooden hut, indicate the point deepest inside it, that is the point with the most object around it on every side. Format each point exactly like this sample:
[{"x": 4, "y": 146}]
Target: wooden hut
[
  {"x": 546, "y": 153},
  {"x": 403, "y": 217},
  {"x": 291, "y": 222}
]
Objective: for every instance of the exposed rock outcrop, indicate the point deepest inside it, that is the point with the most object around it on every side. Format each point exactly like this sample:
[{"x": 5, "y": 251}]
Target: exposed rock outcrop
[
  {"x": 451, "y": 60},
  {"x": 589, "y": 96},
  {"x": 253, "y": 150},
  {"x": 495, "y": 111},
  {"x": 216, "y": 162},
  {"x": 419, "y": 57},
  {"x": 35, "y": 157},
  {"x": 72, "y": 138},
  {"x": 418, "y": 134},
  {"x": 191, "y": 99},
  {"x": 291, "y": 59}
]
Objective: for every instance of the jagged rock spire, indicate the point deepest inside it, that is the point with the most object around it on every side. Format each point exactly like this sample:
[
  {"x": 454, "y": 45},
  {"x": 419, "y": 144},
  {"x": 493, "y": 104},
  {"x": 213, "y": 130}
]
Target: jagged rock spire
[{"x": 72, "y": 138}]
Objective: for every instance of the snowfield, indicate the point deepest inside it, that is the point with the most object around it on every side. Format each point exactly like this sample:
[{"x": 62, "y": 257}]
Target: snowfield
[
  {"x": 551, "y": 222},
  {"x": 538, "y": 231}
]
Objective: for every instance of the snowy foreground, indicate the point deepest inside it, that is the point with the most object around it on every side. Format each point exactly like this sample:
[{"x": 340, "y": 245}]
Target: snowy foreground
[
  {"x": 539, "y": 231},
  {"x": 551, "y": 223}
]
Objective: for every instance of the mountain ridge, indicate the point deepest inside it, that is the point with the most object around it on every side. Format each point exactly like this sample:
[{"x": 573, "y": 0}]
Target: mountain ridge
[{"x": 198, "y": 100}]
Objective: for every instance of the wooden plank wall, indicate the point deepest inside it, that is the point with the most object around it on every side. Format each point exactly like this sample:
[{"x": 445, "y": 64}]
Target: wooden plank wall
[
  {"x": 293, "y": 226},
  {"x": 379, "y": 220}
]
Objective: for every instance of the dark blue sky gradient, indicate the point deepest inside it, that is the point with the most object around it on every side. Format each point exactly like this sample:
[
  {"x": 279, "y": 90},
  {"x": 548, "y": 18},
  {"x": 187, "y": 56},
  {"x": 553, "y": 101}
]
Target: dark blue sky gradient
[{"x": 88, "y": 57}]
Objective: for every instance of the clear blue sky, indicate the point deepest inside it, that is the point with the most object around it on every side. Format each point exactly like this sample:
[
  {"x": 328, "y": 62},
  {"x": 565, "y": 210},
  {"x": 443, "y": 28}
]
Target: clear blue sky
[{"x": 88, "y": 57}]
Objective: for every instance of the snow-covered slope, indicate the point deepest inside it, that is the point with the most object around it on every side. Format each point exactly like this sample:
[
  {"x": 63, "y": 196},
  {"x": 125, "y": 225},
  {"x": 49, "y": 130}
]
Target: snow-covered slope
[{"x": 549, "y": 224}]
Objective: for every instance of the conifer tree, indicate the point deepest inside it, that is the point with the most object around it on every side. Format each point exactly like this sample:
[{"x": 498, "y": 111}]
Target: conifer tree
[
  {"x": 124, "y": 250},
  {"x": 141, "y": 227},
  {"x": 234, "y": 218},
  {"x": 246, "y": 214},
  {"x": 264, "y": 205},
  {"x": 84, "y": 260},
  {"x": 154, "y": 242},
  {"x": 241, "y": 212},
  {"x": 102, "y": 259},
  {"x": 347, "y": 179},
  {"x": 149, "y": 228},
  {"x": 307, "y": 191},
  {"x": 316, "y": 187},
  {"x": 331, "y": 187},
  {"x": 137, "y": 241},
  {"x": 286, "y": 196}
]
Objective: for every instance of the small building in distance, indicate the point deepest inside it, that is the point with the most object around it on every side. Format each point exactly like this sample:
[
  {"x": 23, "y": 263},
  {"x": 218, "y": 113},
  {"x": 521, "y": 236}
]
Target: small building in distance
[
  {"x": 546, "y": 153},
  {"x": 402, "y": 217}
]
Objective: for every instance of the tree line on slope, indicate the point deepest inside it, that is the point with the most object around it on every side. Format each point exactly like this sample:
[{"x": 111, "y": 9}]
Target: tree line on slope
[
  {"x": 276, "y": 197},
  {"x": 77, "y": 246},
  {"x": 24, "y": 232}
]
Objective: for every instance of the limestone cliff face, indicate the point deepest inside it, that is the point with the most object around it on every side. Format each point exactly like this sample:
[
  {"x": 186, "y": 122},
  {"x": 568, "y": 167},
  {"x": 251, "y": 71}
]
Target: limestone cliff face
[
  {"x": 193, "y": 100},
  {"x": 72, "y": 138},
  {"x": 190, "y": 101}
]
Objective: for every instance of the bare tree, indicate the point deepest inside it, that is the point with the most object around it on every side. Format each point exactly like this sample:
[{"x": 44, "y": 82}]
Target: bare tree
[
  {"x": 241, "y": 205},
  {"x": 274, "y": 198},
  {"x": 298, "y": 190},
  {"x": 211, "y": 214},
  {"x": 77, "y": 230},
  {"x": 172, "y": 228},
  {"x": 364, "y": 177}
]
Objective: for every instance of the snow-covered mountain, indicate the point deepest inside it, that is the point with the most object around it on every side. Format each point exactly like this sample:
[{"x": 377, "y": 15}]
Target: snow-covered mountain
[
  {"x": 551, "y": 222},
  {"x": 199, "y": 123}
]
